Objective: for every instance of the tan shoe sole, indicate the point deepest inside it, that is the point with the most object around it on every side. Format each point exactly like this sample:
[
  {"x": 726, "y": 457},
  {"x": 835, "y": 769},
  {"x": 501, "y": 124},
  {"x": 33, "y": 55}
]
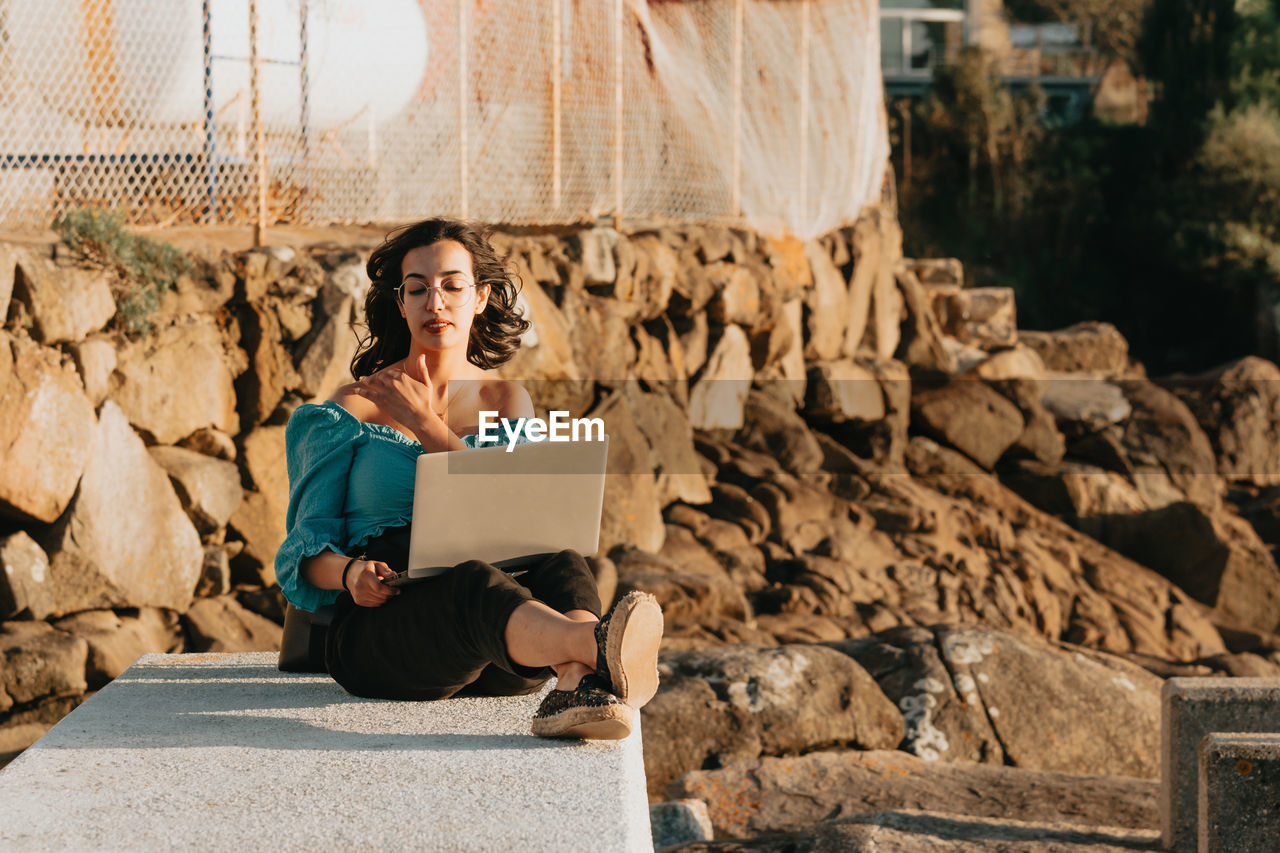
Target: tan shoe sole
[
  {"x": 608, "y": 722},
  {"x": 631, "y": 648}
]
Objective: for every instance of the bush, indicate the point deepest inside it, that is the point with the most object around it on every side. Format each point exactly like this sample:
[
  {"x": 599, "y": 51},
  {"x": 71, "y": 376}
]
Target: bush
[{"x": 143, "y": 268}]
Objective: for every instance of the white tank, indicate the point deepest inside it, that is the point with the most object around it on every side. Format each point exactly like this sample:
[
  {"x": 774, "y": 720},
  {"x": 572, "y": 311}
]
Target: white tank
[{"x": 117, "y": 62}]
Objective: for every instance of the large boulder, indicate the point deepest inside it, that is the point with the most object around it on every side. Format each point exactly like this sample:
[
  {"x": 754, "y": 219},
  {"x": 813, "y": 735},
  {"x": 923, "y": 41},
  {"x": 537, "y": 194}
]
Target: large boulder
[
  {"x": 922, "y": 342},
  {"x": 688, "y": 594},
  {"x": 325, "y": 364},
  {"x": 1168, "y": 455},
  {"x": 735, "y": 703},
  {"x": 39, "y": 662},
  {"x": 1238, "y": 406},
  {"x": 46, "y": 431},
  {"x": 844, "y": 390},
  {"x": 769, "y": 795},
  {"x": 222, "y": 625},
  {"x": 259, "y": 389},
  {"x": 1082, "y": 405},
  {"x": 176, "y": 382},
  {"x": 1033, "y": 704},
  {"x": 1090, "y": 348},
  {"x": 828, "y": 306},
  {"x": 124, "y": 541},
  {"x": 1215, "y": 556},
  {"x": 971, "y": 417},
  {"x": 115, "y": 641},
  {"x": 66, "y": 302},
  {"x": 666, "y": 428},
  {"x": 602, "y": 345},
  {"x": 209, "y": 488},
  {"x": 716, "y": 401},
  {"x": 771, "y": 425}
]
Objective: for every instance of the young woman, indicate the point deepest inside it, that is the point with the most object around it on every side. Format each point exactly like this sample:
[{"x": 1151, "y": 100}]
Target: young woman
[{"x": 441, "y": 314}]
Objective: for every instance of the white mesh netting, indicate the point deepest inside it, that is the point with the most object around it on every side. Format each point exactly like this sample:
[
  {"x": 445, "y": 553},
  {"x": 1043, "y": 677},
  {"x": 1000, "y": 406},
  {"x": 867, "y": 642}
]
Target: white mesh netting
[{"x": 763, "y": 112}]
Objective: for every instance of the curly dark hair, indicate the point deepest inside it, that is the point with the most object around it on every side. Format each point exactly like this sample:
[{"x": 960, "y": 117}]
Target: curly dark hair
[{"x": 496, "y": 331}]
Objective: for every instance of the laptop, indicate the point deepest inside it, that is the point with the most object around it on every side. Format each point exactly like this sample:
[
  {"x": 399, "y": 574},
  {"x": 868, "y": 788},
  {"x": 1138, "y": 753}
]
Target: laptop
[{"x": 510, "y": 508}]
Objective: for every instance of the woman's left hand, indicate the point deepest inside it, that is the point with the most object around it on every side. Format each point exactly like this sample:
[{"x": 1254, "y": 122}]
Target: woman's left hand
[{"x": 404, "y": 394}]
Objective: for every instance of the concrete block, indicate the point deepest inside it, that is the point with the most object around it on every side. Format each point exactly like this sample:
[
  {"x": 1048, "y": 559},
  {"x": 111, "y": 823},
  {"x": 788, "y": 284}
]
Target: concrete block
[
  {"x": 224, "y": 752},
  {"x": 680, "y": 822},
  {"x": 1239, "y": 793},
  {"x": 1193, "y": 708}
]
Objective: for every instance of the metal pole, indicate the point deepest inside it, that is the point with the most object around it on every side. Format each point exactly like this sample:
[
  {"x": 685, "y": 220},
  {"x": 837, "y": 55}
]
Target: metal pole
[
  {"x": 805, "y": 36},
  {"x": 210, "y": 121},
  {"x": 259, "y": 143},
  {"x": 736, "y": 194},
  {"x": 617, "y": 113},
  {"x": 305, "y": 117},
  {"x": 462, "y": 107},
  {"x": 557, "y": 36}
]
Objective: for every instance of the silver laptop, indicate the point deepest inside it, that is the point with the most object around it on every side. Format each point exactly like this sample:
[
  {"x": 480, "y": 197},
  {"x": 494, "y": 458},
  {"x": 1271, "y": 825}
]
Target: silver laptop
[{"x": 507, "y": 508}]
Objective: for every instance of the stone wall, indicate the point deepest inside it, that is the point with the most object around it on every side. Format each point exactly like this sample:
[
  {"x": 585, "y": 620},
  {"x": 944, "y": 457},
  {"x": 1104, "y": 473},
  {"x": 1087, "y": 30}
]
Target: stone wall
[{"x": 814, "y": 441}]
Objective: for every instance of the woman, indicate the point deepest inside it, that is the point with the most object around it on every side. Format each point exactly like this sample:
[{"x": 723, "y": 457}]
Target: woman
[{"x": 441, "y": 314}]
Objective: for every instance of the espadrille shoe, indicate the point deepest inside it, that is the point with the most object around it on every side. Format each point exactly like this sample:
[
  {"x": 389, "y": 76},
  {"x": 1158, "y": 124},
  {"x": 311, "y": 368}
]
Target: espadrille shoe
[
  {"x": 588, "y": 711},
  {"x": 627, "y": 642}
]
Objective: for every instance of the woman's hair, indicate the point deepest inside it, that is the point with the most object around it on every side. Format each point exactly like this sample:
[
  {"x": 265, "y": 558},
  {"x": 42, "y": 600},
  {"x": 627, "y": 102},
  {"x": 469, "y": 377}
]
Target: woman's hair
[{"x": 495, "y": 332}]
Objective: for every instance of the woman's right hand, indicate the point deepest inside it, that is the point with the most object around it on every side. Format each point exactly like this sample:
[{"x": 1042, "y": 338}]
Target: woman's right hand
[{"x": 364, "y": 582}]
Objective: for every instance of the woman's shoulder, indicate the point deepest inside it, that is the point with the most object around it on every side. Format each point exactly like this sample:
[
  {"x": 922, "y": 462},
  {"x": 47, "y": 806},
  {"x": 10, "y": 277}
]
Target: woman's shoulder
[
  {"x": 360, "y": 408},
  {"x": 505, "y": 396},
  {"x": 331, "y": 418}
]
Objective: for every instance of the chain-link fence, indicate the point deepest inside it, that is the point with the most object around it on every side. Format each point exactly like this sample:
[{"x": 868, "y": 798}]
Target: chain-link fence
[{"x": 765, "y": 112}]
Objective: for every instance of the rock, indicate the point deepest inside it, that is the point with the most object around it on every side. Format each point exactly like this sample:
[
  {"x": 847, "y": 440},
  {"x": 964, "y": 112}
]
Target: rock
[
  {"x": 25, "y": 588},
  {"x": 737, "y": 300},
  {"x": 971, "y": 417},
  {"x": 176, "y": 382},
  {"x": 734, "y": 504},
  {"x": 211, "y": 442},
  {"x": 937, "y": 271},
  {"x": 684, "y": 550},
  {"x": 1018, "y": 362},
  {"x": 124, "y": 541},
  {"x": 66, "y": 302},
  {"x": 784, "y": 365},
  {"x": 828, "y": 306},
  {"x": 215, "y": 573},
  {"x": 843, "y": 390},
  {"x": 1049, "y": 707},
  {"x": 546, "y": 349},
  {"x": 208, "y": 488},
  {"x": 868, "y": 253},
  {"x": 325, "y": 365},
  {"x": 716, "y": 401},
  {"x": 679, "y": 822},
  {"x": 673, "y": 459},
  {"x": 1072, "y": 490},
  {"x": 1093, "y": 348},
  {"x": 982, "y": 316},
  {"x": 632, "y": 510},
  {"x": 259, "y": 523},
  {"x": 45, "y": 434},
  {"x": 686, "y": 596},
  {"x": 1167, "y": 453},
  {"x": 271, "y": 372},
  {"x": 921, "y": 344},
  {"x": 39, "y": 662},
  {"x": 771, "y": 425},
  {"x": 116, "y": 641},
  {"x": 605, "y": 571},
  {"x": 1216, "y": 557},
  {"x": 735, "y": 703},
  {"x": 770, "y": 795},
  {"x": 8, "y": 268},
  {"x": 96, "y": 361},
  {"x": 595, "y": 249},
  {"x": 602, "y": 345},
  {"x": 222, "y": 625},
  {"x": 1083, "y": 405},
  {"x": 657, "y": 278},
  {"x": 1238, "y": 406}
]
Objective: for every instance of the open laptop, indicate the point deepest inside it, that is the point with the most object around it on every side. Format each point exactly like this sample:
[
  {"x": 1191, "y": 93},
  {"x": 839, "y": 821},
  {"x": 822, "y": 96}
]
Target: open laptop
[{"x": 509, "y": 509}]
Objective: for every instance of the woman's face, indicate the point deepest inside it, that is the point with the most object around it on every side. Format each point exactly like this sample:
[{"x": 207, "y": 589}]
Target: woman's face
[{"x": 438, "y": 295}]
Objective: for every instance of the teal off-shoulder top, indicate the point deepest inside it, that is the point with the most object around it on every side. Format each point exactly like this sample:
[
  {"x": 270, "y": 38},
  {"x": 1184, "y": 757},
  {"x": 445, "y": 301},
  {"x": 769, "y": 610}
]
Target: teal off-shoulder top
[{"x": 348, "y": 482}]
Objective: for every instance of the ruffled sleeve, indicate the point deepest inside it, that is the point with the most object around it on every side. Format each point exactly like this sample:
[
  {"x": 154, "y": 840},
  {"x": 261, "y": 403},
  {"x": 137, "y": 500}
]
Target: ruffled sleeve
[{"x": 320, "y": 442}]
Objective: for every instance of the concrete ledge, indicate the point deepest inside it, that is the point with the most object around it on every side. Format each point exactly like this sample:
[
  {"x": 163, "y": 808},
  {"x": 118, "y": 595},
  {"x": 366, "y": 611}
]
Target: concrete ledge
[
  {"x": 1193, "y": 708},
  {"x": 223, "y": 752},
  {"x": 1239, "y": 793}
]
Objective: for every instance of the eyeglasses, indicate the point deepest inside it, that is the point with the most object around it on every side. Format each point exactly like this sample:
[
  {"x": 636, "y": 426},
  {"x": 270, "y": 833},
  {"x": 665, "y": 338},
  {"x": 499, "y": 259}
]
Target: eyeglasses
[{"x": 454, "y": 294}]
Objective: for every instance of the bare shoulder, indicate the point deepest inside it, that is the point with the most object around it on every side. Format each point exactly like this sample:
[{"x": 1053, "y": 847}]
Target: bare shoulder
[
  {"x": 362, "y": 408},
  {"x": 507, "y": 397}
]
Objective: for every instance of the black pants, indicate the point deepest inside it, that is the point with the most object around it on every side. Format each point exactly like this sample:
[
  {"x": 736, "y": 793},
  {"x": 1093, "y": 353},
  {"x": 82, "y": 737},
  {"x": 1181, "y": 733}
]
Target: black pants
[{"x": 444, "y": 635}]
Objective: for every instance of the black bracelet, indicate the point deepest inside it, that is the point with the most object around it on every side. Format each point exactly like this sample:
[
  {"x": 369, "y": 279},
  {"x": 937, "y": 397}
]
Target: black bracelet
[{"x": 346, "y": 569}]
